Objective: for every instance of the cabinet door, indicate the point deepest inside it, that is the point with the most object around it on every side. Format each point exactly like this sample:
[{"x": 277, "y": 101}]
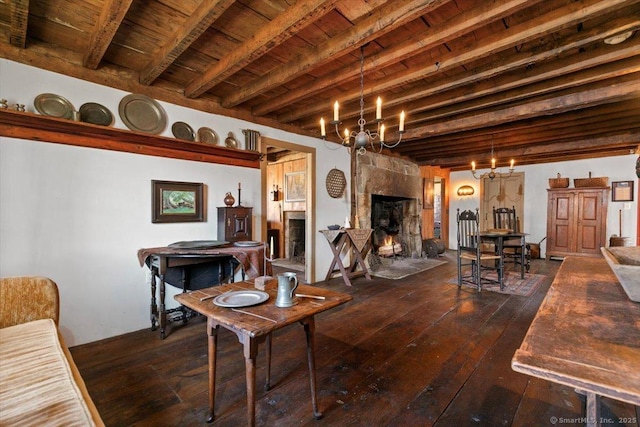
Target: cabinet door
[
  {"x": 560, "y": 222},
  {"x": 590, "y": 220},
  {"x": 235, "y": 223}
]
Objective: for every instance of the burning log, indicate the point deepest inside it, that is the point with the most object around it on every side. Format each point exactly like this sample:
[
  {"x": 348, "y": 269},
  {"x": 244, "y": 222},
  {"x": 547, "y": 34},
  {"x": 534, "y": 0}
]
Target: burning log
[{"x": 390, "y": 250}]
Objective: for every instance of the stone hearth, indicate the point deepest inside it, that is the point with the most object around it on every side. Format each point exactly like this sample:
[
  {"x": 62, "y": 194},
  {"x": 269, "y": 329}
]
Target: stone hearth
[{"x": 396, "y": 178}]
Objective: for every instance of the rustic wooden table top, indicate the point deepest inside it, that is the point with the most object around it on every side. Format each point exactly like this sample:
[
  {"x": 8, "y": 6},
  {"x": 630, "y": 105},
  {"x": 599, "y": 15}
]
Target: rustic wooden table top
[
  {"x": 586, "y": 333},
  {"x": 263, "y": 318}
]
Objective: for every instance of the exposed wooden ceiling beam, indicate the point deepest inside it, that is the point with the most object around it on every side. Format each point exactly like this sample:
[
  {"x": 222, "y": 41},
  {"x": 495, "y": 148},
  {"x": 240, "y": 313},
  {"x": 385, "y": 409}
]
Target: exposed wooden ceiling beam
[
  {"x": 196, "y": 24},
  {"x": 620, "y": 88},
  {"x": 459, "y": 25},
  {"x": 535, "y": 28},
  {"x": 455, "y": 90},
  {"x": 554, "y": 150},
  {"x": 281, "y": 28},
  {"x": 19, "y": 20},
  {"x": 111, "y": 16},
  {"x": 381, "y": 21},
  {"x": 522, "y": 92}
]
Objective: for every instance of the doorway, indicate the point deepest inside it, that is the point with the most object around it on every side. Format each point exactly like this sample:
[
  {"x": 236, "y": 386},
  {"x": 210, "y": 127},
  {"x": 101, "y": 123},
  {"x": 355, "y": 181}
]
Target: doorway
[
  {"x": 501, "y": 193},
  {"x": 288, "y": 183}
]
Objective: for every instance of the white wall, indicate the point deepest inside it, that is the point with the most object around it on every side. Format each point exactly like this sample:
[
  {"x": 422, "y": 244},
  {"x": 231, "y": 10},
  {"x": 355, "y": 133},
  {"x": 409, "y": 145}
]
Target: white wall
[
  {"x": 79, "y": 215},
  {"x": 536, "y": 183}
]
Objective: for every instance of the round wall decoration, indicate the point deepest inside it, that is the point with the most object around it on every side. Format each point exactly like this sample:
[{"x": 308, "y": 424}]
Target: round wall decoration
[{"x": 336, "y": 182}]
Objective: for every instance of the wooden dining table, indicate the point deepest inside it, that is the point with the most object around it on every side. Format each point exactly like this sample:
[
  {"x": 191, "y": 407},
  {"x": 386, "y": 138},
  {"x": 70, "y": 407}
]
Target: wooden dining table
[
  {"x": 254, "y": 325},
  {"x": 498, "y": 239},
  {"x": 586, "y": 335}
]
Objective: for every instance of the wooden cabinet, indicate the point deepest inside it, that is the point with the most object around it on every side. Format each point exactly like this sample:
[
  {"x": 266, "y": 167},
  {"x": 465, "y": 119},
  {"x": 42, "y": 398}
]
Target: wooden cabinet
[
  {"x": 234, "y": 224},
  {"x": 576, "y": 221}
]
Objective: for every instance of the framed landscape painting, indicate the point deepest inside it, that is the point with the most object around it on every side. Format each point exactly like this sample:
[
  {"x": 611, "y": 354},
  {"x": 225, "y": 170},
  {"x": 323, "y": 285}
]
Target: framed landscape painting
[{"x": 173, "y": 201}]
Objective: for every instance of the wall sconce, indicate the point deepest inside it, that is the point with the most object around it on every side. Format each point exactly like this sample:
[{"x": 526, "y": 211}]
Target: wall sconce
[
  {"x": 465, "y": 190},
  {"x": 275, "y": 194}
]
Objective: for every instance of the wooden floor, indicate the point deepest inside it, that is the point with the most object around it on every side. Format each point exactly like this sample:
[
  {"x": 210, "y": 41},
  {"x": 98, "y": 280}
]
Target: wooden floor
[{"x": 411, "y": 352}]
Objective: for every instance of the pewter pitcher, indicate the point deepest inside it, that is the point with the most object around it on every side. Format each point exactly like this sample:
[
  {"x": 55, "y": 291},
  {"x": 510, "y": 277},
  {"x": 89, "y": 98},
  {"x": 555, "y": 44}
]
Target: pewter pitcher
[{"x": 287, "y": 284}]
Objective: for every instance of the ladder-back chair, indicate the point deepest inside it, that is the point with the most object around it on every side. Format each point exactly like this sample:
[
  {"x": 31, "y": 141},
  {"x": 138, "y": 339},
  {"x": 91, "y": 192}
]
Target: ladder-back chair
[
  {"x": 470, "y": 253},
  {"x": 506, "y": 218}
]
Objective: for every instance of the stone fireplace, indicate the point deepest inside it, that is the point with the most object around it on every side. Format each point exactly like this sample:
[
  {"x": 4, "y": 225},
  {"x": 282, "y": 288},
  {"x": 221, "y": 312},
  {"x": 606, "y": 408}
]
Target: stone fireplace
[{"x": 389, "y": 201}]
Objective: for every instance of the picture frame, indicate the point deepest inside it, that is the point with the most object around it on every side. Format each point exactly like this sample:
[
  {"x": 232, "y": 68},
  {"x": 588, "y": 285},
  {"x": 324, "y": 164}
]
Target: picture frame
[
  {"x": 173, "y": 201},
  {"x": 622, "y": 191},
  {"x": 427, "y": 193},
  {"x": 295, "y": 187}
]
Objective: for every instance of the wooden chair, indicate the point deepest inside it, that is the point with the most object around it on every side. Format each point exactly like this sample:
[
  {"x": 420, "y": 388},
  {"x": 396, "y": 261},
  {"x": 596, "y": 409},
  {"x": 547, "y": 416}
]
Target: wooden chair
[
  {"x": 470, "y": 253},
  {"x": 506, "y": 218}
]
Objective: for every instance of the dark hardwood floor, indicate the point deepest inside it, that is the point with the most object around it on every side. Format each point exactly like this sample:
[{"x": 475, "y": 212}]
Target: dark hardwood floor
[{"x": 411, "y": 352}]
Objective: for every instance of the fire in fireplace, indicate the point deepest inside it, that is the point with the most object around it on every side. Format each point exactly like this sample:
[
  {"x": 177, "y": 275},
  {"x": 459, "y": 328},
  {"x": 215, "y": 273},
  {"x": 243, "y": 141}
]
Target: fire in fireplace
[{"x": 388, "y": 215}]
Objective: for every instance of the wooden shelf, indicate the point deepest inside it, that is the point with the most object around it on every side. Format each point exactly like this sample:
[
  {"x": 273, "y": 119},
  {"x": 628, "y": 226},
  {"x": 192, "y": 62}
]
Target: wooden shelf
[{"x": 24, "y": 125}]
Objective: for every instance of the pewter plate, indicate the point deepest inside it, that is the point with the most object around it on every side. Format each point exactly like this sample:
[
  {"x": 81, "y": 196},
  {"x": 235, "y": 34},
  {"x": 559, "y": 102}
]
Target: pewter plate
[
  {"x": 240, "y": 298},
  {"x": 141, "y": 113},
  {"x": 246, "y": 243},
  {"x": 92, "y": 112},
  {"x": 182, "y": 130},
  {"x": 207, "y": 135},
  {"x": 49, "y": 104},
  {"x": 198, "y": 244}
]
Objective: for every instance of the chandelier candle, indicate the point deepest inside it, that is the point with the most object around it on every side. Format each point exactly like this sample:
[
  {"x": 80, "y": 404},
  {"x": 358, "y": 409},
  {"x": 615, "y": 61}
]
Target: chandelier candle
[{"x": 363, "y": 137}]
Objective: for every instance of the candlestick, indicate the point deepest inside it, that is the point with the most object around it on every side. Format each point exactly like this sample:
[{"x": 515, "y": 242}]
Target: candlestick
[
  {"x": 511, "y": 166},
  {"x": 322, "y": 129},
  {"x": 382, "y": 133},
  {"x": 336, "y": 112},
  {"x": 271, "y": 247},
  {"x": 493, "y": 163},
  {"x": 473, "y": 166},
  {"x": 401, "y": 127},
  {"x": 379, "y": 109}
]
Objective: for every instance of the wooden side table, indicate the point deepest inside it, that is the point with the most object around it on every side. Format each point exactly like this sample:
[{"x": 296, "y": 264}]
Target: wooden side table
[
  {"x": 254, "y": 325},
  {"x": 354, "y": 242}
]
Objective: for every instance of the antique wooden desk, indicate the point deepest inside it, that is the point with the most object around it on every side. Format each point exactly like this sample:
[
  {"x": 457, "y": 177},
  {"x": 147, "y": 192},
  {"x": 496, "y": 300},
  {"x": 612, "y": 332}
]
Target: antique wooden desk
[
  {"x": 161, "y": 260},
  {"x": 254, "y": 325},
  {"x": 585, "y": 335},
  {"x": 353, "y": 242}
]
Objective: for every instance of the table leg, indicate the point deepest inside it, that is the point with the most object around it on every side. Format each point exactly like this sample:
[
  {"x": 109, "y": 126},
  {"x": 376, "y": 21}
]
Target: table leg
[
  {"x": 522, "y": 258},
  {"x": 154, "y": 305},
  {"x": 309, "y": 329},
  {"x": 212, "y": 344},
  {"x": 593, "y": 409},
  {"x": 162, "y": 313},
  {"x": 501, "y": 263},
  {"x": 267, "y": 385},
  {"x": 337, "y": 260},
  {"x": 250, "y": 352}
]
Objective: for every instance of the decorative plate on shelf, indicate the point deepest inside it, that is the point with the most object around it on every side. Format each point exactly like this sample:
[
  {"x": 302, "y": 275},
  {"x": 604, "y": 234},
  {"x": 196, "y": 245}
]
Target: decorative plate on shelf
[
  {"x": 240, "y": 298},
  {"x": 182, "y": 130},
  {"x": 246, "y": 243},
  {"x": 143, "y": 114},
  {"x": 198, "y": 244},
  {"x": 207, "y": 135},
  {"x": 92, "y": 112},
  {"x": 49, "y": 104}
]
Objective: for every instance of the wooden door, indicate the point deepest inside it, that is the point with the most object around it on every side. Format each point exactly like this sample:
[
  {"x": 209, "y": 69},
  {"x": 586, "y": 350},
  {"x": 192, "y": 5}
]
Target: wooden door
[
  {"x": 502, "y": 193},
  {"x": 591, "y": 216},
  {"x": 560, "y": 219}
]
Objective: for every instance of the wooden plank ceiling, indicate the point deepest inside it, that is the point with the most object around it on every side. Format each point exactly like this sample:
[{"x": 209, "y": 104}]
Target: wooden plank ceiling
[{"x": 534, "y": 78}]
